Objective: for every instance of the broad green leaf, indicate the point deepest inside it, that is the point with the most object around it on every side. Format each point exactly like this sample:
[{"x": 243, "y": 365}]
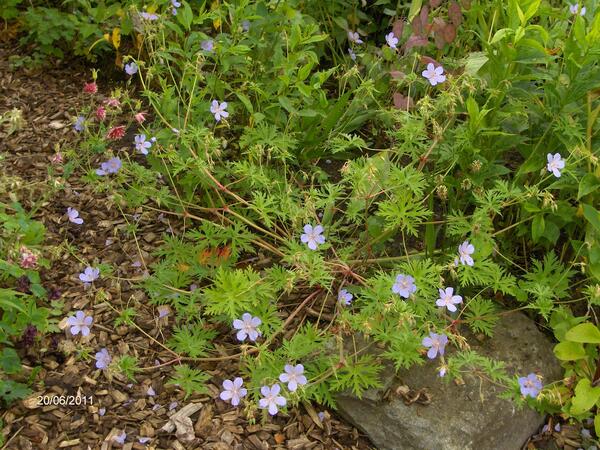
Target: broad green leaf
[
  {"x": 521, "y": 15},
  {"x": 585, "y": 397},
  {"x": 10, "y": 301},
  {"x": 501, "y": 34},
  {"x": 532, "y": 9},
  {"x": 341, "y": 22},
  {"x": 11, "y": 390},
  {"x": 9, "y": 361},
  {"x": 246, "y": 101},
  {"x": 586, "y": 333},
  {"x": 185, "y": 16},
  {"x": 538, "y": 225},
  {"x": 474, "y": 62},
  {"x": 569, "y": 351},
  {"x": 287, "y": 104},
  {"x": 588, "y": 184},
  {"x": 593, "y": 36},
  {"x": 304, "y": 71},
  {"x": 415, "y": 7},
  {"x": 307, "y": 113},
  {"x": 317, "y": 38},
  {"x": 592, "y": 215}
]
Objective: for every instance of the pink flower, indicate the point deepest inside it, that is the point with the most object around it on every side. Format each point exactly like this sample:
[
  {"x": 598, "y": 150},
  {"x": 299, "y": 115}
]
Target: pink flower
[
  {"x": 101, "y": 113},
  {"x": 57, "y": 158},
  {"x": 28, "y": 258},
  {"x": 116, "y": 133},
  {"x": 140, "y": 117},
  {"x": 112, "y": 102},
  {"x": 90, "y": 88}
]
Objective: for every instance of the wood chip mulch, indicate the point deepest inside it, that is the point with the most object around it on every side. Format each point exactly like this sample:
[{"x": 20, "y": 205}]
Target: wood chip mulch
[{"x": 48, "y": 100}]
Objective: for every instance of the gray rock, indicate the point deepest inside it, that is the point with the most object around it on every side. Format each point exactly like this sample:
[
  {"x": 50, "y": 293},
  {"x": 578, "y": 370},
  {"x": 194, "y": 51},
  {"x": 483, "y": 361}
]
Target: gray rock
[{"x": 466, "y": 416}]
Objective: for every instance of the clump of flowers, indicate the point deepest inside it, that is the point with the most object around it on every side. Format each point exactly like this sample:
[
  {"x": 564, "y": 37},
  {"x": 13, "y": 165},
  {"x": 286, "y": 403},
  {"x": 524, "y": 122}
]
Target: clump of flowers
[
  {"x": 140, "y": 117},
  {"x": 354, "y": 37},
  {"x": 219, "y": 110},
  {"x": 404, "y": 285},
  {"x": 103, "y": 359},
  {"x": 57, "y": 158},
  {"x": 120, "y": 438},
  {"x": 436, "y": 344},
  {"x": 29, "y": 259},
  {"x": 530, "y": 385},
  {"x": 149, "y": 16},
  {"x": 112, "y": 102},
  {"x": 80, "y": 323},
  {"x": 271, "y": 399},
  {"x": 208, "y": 45},
  {"x": 248, "y": 327},
  {"x": 141, "y": 144},
  {"x": 555, "y": 164},
  {"x": 116, "y": 133},
  {"x": 111, "y": 166},
  {"x": 313, "y": 236},
  {"x": 79, "y": 124},
  {"x": 575, "y": 9},
  {"x": 175, "y": 4},
  {"x": 465, "y": 250},
  {"x": 73, "y": 215},
  {"x": 233, "y": 391},
  {"x": 293, "y": 376},
  {"x": 89, "y": 275},
  {"x": 435, "y": 75},
  {"x": 90, "y": 88},
  {"x": 448, "y": 299},
  {"x": 391, "y": 40},
  {"x": 345, "y": 297}
]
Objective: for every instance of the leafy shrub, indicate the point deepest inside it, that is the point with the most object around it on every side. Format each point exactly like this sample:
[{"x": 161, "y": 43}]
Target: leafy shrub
[
  {"x": 398, "y": 187},
  {"x": 21, "y": 317}
]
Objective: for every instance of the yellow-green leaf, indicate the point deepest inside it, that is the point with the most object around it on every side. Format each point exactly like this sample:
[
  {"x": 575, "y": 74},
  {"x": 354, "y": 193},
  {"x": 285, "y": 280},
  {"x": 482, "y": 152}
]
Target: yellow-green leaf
[
  {"x": 585, "y": 397},
  {"x": 569, "y": 351},
  {"x": 116, "y": 37},
  {"x": 586, "y": 333}
]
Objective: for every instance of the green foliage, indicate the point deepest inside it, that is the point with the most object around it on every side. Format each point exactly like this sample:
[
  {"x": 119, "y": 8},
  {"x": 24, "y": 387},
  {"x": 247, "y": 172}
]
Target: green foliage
[
  {"x": 11, "y": 391},
  {"x": 398, "y": 172},
  {"x": 19, "y": 310},
  {"x": 357, "y": 376},
  {"x": 578, "y": 352},
  {"x": 547, "y": 282},
  {"x": 127, "y": 365},
  {"x": 126, "y": 317},
  {"x": 193, "y": 340},
  {"x": 482, "y": 316},
  {"x": 192, "y": 381},
  {"x": 236, "y": 291}
]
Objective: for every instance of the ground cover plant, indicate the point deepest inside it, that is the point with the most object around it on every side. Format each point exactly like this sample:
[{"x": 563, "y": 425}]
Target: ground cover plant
[{"x": 402, "y": 172}]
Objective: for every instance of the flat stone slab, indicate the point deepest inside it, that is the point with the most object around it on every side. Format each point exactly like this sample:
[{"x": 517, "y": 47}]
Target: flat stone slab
[{"x": 459, "y": 417}]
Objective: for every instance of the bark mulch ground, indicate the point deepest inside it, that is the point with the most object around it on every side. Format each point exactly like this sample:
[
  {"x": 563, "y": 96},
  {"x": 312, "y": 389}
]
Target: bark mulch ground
[{"x": 48, "y": 99}]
